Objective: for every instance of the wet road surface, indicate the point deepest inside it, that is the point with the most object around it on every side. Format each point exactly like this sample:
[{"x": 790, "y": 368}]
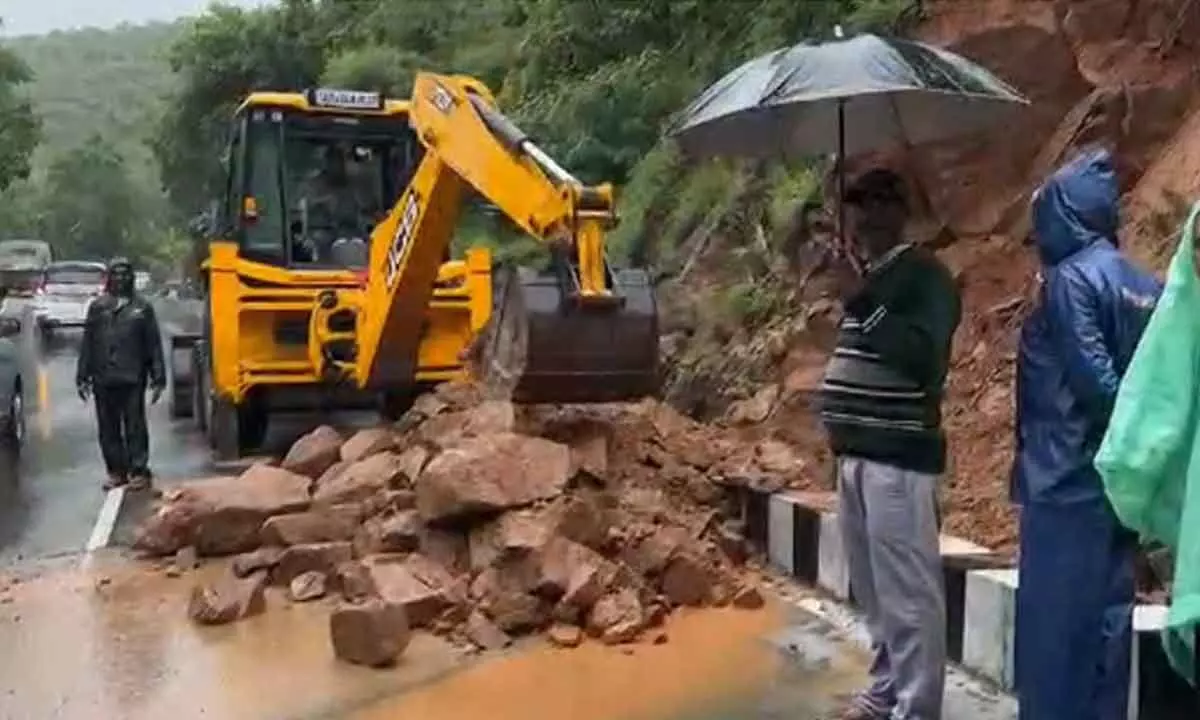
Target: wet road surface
[
  {"x": 51, "y": 502},
  {"x": 50, "y": 497}
]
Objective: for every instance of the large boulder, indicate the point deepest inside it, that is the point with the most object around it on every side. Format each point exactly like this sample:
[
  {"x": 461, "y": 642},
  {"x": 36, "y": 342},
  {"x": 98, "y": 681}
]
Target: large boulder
[
  {"x": 687, "y": 580},
  {"x": 512, "y": 533},
  {"x": 314, "y": 453},
  {"x": 395, "y": 533},
  {"x": 491, "y": 473},
  {"x": 420, "y": 587},
  {"x": 372, "y": 633},
  {"x": 331, "y": 524},
  {"x": 228, "y": 599},
  {"x": 618, "y": 617},
  {"x": 223, "y": 516},
  {"x": 296, "y": 560},
  {"x": 361, "y": 480},
  {"x": 573, "y": 573},
  {"x": 365, "y": 443}
]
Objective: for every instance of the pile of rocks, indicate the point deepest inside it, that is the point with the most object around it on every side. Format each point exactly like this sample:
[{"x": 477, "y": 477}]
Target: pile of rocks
[{"x": 480, "y": 521}]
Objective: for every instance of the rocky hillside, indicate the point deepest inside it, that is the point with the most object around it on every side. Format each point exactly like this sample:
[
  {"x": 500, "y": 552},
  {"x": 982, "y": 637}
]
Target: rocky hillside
[{"x": 751, "y": 321}]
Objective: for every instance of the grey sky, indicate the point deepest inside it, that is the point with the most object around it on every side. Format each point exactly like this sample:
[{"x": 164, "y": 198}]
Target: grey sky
[{"x": 31, "y": 17}]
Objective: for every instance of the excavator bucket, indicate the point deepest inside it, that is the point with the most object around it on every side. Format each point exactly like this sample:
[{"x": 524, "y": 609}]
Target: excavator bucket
[{"x": 542, "y": 347}]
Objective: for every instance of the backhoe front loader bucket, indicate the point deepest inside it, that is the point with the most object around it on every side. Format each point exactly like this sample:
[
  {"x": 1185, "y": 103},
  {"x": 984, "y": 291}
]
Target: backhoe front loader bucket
[{"x": 542, "y": 347}]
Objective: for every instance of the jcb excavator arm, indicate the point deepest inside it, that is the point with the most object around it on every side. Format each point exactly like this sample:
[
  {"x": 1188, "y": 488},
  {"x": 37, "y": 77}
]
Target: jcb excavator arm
[{"x": 582, "y": 333}]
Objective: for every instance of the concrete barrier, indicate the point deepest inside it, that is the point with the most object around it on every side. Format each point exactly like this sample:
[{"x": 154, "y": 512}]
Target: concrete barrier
[{"x": 797, "y": 533}]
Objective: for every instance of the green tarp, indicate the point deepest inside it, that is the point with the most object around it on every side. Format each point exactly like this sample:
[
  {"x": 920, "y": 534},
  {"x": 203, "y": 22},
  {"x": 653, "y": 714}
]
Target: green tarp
[{"x": 1150, "y": 458}]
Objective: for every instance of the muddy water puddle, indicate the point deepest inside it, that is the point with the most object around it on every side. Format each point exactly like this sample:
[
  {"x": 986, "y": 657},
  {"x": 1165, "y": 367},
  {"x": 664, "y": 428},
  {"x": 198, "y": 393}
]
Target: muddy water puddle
[
  {"x": 113, "y": 641},
  {"x": 716, "y": 665}
]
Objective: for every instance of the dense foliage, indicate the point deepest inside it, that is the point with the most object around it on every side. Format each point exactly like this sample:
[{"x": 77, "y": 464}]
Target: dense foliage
[
  {"x": 594, "y": 81},
  {"x": 19, "y": 127},
  {"x": 93, "y": 188},
  {"x": 135, "y": 118}
]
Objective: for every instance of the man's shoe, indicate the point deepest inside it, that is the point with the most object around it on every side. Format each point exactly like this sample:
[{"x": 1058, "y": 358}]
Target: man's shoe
[
  {"x": 140, "y": 482},
  {"x": 114, "y": 481},
  {"x": 857, "y": 709}
]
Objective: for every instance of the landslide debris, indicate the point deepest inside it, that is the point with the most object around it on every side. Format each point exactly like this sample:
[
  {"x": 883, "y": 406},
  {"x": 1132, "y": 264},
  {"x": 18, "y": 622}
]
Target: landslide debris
[{"x": 480, "y": 522}]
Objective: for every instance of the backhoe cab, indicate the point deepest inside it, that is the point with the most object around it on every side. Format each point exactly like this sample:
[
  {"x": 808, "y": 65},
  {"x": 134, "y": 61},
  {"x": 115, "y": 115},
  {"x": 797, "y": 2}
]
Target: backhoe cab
[{"x": 329, "y": 282}]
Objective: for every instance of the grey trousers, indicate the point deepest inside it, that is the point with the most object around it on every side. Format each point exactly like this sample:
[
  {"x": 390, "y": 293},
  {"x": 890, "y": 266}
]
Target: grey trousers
[{"x": 889, "y": 524}]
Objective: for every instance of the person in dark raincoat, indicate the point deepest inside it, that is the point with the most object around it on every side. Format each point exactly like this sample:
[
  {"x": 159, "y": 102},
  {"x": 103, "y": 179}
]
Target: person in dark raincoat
[
  {"x": 121, "y": 354},
  {"x": 1076, "y": 587}
]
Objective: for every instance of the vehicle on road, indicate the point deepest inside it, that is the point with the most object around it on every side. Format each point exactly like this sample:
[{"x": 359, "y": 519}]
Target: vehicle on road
[
  {"x": 329, "y": 280},
  {"x": 22, "y": 265},
  {"x": 12, "y": 399},
  {"x": 70, "y": 287}
]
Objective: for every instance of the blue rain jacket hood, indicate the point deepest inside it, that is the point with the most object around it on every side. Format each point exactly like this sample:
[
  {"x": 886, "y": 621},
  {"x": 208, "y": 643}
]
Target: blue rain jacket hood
[
  {"x": 1076, "y": 207},
  {"x": 1077, "y": 342}
]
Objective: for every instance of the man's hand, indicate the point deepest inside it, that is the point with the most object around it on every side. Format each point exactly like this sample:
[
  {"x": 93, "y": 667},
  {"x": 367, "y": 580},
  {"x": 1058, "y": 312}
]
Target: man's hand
[
  {"x": 156, "y": 392},
  {"x": 84, "y": 388},
  {"x": 847, "y": 274}
]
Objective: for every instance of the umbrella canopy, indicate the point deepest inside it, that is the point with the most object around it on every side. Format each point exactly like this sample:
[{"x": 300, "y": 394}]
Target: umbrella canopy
[{"x": 848, "y": 96}]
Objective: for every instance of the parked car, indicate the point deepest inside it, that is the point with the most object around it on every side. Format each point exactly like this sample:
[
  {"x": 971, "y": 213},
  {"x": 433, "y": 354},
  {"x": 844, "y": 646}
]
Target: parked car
[
  {"x": 23, "y": 265},
  {"x": 69, "y": 288},
  {"x": 12, "y": 401}
]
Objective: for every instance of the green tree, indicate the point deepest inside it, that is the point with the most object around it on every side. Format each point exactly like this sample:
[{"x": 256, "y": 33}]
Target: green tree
[
  {"x": 19, "y": 127},
  {"x": 222, "y": 56},
  {"x": 375, "y": 67},
  {"x": 90, "y": 204}
]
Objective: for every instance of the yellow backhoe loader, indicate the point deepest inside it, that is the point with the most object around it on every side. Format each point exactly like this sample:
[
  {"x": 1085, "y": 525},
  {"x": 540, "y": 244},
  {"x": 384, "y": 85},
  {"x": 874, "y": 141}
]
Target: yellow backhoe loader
[{"x": 329, "y": 283}]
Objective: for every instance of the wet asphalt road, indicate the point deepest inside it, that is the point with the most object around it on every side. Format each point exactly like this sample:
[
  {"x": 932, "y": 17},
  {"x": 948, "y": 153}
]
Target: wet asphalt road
[{"x": 50, "y": 496}]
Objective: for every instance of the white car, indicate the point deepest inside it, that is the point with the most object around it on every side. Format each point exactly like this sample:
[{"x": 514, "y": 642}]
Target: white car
[{"x": 69, "y": 288}]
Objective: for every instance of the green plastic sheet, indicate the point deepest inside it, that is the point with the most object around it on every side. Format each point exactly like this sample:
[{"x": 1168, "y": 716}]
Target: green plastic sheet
[{"x": 1150, "y": 457}]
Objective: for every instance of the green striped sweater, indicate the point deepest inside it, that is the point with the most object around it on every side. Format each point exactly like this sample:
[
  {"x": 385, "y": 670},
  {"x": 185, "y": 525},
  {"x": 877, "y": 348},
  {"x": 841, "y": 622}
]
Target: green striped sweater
[{"x": 882, "y": 392}]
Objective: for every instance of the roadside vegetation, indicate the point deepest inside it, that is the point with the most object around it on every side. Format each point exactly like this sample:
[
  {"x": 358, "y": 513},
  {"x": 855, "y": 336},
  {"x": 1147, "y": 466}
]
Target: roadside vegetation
[
  {"x": 90, "y": 182},
  {"x": 146, "y": 108}
]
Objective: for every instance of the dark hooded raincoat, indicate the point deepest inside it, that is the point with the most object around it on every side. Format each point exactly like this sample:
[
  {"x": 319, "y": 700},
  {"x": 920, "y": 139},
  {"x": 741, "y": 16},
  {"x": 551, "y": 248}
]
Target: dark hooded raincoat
[{"x": 1076, "y": 591}]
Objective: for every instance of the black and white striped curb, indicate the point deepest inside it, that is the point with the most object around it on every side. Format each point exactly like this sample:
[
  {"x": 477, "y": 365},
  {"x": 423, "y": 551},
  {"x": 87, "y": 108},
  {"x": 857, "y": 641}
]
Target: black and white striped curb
[{"x": 798, "y": 534}]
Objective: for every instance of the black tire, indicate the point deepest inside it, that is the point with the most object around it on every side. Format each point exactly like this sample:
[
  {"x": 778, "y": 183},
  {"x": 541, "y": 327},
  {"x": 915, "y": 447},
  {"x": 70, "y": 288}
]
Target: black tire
[
  {"x": 225, "y": 430},
  {"x": 253, "y": 422},
  {"x": 394, "y": 403},
  {"x": 236, "y": 430},
  {"x": 14, "y": 429},
  {"x": 181, "y": 401},
  {"x": 200, "y": 395}
]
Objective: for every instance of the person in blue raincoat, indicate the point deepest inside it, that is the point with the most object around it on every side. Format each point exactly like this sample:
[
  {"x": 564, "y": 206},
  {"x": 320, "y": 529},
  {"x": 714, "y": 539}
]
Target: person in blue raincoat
[{"x": 1076, "y": 586}]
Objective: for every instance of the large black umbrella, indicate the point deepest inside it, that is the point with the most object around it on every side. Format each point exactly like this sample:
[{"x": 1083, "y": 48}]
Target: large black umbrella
[{"x": 846, "y": 97}]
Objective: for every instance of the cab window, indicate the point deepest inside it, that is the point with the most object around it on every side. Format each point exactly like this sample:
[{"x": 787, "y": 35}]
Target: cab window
[{"x": 262, "y": 215}]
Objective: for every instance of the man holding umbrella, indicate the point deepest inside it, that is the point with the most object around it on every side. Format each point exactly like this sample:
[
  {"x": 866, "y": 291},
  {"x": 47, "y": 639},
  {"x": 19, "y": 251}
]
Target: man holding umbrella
[
  {"x": 881, "y": 407},
  {"x": 884, "y": 384}
]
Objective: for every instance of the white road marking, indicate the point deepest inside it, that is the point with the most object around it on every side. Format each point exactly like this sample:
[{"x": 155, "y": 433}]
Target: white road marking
[{"x": 107, "y": 520}]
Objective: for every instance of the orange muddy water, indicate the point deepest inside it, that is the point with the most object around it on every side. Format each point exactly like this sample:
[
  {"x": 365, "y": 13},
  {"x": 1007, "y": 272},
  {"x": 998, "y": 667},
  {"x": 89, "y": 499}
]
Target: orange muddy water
[{"x": 113, "y": 641}]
